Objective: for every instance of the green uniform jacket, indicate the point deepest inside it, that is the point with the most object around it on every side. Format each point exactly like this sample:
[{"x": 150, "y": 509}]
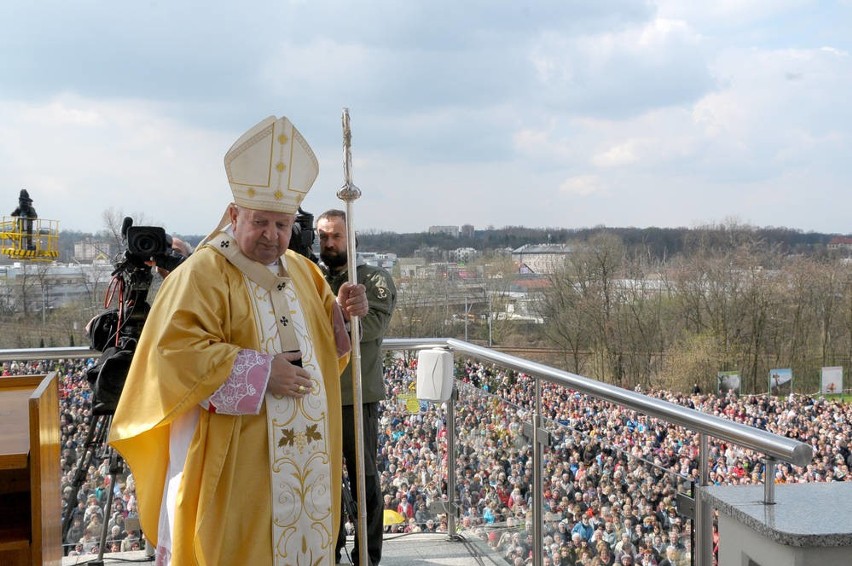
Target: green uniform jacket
[{"x": 381, "y": 293}]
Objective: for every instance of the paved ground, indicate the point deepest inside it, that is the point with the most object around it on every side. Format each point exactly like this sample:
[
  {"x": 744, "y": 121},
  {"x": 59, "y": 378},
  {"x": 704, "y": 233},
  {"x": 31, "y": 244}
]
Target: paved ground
[
  {"x": 433, "y": 549},
  {"x": 398, "y": 550}
]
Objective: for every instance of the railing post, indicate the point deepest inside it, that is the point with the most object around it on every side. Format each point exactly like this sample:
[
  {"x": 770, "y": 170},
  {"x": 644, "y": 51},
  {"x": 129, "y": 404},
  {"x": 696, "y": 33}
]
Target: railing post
[
  {"x": 703, "y": 511},
  {"x": 452, "y": 495},
  {"x": 769, "y": 481},
  {"x": 538, "y": 453}
]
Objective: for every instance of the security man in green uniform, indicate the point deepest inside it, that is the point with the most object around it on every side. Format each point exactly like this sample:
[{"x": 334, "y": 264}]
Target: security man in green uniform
[{"x": 381, "y": 294}]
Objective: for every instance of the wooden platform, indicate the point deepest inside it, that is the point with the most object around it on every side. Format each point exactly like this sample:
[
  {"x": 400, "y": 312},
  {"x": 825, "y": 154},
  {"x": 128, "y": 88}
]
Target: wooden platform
[{"x": 30, "y": 521}]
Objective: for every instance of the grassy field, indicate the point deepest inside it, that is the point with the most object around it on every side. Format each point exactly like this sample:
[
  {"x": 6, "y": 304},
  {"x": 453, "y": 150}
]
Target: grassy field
[{"x": 844, "y": 398}]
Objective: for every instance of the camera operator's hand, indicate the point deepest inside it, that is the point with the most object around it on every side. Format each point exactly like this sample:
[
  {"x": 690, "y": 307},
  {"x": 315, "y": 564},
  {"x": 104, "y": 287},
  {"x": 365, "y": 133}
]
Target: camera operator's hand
[
  {"x": 288, "y": 379},
  {"x": 353, "y": 300},
  {"x": 180, "y": 251}
]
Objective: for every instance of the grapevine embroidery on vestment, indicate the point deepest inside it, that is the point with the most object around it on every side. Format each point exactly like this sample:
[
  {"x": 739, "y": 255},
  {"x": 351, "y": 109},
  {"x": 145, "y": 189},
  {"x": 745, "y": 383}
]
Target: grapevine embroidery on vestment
[{"x": 300, "y": 440}]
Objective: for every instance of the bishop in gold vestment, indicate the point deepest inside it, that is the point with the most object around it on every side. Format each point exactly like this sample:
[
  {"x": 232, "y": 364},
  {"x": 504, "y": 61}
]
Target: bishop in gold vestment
[{"x": 227, "y": 472}]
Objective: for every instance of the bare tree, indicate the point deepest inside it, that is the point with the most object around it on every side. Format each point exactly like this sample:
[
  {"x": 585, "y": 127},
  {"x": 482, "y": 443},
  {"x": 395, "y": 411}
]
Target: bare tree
[
  {"x": 560, "y": 308},
  {"x": 581, "y": 308},
  {"x": 25, "y": 285},
  {"x": 113, "y": 222},
  {"x": 420, "y": 310},
  {"x": 643, "y": 300}
]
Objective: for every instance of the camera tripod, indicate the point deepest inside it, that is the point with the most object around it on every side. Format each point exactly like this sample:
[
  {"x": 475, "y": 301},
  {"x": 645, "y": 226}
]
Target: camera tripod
[
  {"x": 95, "y": 445},
  {"x": 350, "y": 509}
]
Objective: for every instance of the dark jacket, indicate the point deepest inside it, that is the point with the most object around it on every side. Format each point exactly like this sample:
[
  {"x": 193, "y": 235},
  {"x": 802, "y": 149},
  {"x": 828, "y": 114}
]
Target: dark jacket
[
  {"x": 381, "y": 294},
  {"x": 25, "y": 206}
]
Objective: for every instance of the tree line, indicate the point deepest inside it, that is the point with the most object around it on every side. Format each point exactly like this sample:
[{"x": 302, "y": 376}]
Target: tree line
[
  {"x": 658, "y": 243},
  {"x": 749, "y": 307},
  {"x": 621, "y": 313},
  {"x": 654, "y": 307}
]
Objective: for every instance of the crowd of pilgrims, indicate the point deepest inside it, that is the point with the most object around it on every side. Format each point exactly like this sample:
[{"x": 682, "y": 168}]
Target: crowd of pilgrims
[{"x": 610, "y": 476}]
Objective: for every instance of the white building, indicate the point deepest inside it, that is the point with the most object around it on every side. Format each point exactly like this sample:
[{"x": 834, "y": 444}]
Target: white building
[
  {"x": 48, "y": 286},
  {"x": 384, "y": 260},
  {"x": 448, "y": 230},
  {"x": 542, "y": 259},
  {"x": 90, "y": 250},
  {"x": 463, "y": 254}
]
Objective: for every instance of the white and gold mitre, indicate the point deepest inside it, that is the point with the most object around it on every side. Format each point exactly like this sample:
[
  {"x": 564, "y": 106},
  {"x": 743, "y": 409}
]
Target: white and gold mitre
[{"x": 271, "y": 167}]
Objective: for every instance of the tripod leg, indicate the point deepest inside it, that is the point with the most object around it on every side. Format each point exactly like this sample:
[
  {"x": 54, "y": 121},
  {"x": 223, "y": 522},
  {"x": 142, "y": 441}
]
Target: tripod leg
[
  {"x": 115, "y": 467},
  {"x": 351, "y": 511},
  {"x": 107, "y": 512},
  {"x": 349, "y": 504},
  {"x": 94, "y": 436}
]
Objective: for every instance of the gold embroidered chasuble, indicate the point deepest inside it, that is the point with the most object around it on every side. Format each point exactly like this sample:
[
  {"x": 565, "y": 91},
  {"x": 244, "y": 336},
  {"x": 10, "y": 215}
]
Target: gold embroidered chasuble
[{"x": 252, "y": 485}]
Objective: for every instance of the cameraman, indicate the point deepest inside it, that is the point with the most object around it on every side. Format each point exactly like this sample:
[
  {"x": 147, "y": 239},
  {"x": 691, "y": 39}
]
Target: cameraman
[
  {"x": 25, "y": 213},
  {"x": 302, "y": 238}
]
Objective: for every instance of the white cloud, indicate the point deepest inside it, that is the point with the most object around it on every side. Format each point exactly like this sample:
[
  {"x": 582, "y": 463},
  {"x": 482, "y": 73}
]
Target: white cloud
[
  {"x": 545, "y": 113},
  {"x": 78, "y": 157},
  {"x": 621, "y": 73},
  {"x": 731, "y": 12},
  {"x": 622, "y": 154},
  {"x": 582, "y": 185}
]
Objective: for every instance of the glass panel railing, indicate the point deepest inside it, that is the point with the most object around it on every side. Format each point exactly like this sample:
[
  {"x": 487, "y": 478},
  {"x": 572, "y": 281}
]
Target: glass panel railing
[
  {"x": 610, "y": 499},
  {"x": 493, "y": 471},
  {"x": 412, "y": 461},
  {"x": 600, "y": 448},
  {"x": 605, "y": 490}
]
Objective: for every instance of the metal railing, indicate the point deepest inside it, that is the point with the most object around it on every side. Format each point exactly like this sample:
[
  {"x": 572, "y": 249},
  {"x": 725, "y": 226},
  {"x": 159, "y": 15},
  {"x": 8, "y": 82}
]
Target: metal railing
[
  {"x": 20, "y": 354},
  {"x": 772, "y": 446}
]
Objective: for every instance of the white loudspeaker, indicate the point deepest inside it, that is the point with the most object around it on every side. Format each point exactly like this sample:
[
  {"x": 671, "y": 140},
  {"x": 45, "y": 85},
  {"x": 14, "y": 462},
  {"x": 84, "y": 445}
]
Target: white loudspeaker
[{"x": 434, "y": 375}]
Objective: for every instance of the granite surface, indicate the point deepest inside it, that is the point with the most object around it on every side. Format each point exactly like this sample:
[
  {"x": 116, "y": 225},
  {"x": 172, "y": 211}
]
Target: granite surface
[{"x": 804, "y": 515}]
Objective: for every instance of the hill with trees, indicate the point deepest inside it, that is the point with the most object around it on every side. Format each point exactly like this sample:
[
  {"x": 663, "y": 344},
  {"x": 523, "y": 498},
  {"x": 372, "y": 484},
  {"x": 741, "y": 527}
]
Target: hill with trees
[
  {"x": 656, "y": 243},
  {"x": 651, "y": 306}
]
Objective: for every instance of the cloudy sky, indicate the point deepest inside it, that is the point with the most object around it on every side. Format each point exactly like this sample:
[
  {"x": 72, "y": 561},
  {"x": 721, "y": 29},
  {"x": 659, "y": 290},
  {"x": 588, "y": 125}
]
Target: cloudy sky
[{"x": 543, "y": 113}]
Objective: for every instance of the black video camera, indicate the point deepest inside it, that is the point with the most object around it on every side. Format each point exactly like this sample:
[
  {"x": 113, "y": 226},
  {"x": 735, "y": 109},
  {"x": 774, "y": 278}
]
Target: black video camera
[
  {"x": 303, "y": 235},
  {"x": 116, "y": 331},
  {"x": 151, "y": 242}
]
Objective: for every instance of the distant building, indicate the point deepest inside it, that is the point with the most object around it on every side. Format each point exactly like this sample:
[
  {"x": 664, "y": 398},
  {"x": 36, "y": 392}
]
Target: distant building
[
  {"x": 408, "y": 266},
  {"x": 462, "y": 254},
  {"x": 840, "y": 243},
  {"x": 467, "y": 231},
  {"x": 448, "y": 230},
  {"x": 541, "y": 258},
  {"x": 433, "y": 271},
  {"x": 53, "y": 285},
  {"x": 430, "y": 254},
  {"x": 383, "y": 260},
  {"x": 90, "y": 250},
  {"x": 441, "y": 271}
]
